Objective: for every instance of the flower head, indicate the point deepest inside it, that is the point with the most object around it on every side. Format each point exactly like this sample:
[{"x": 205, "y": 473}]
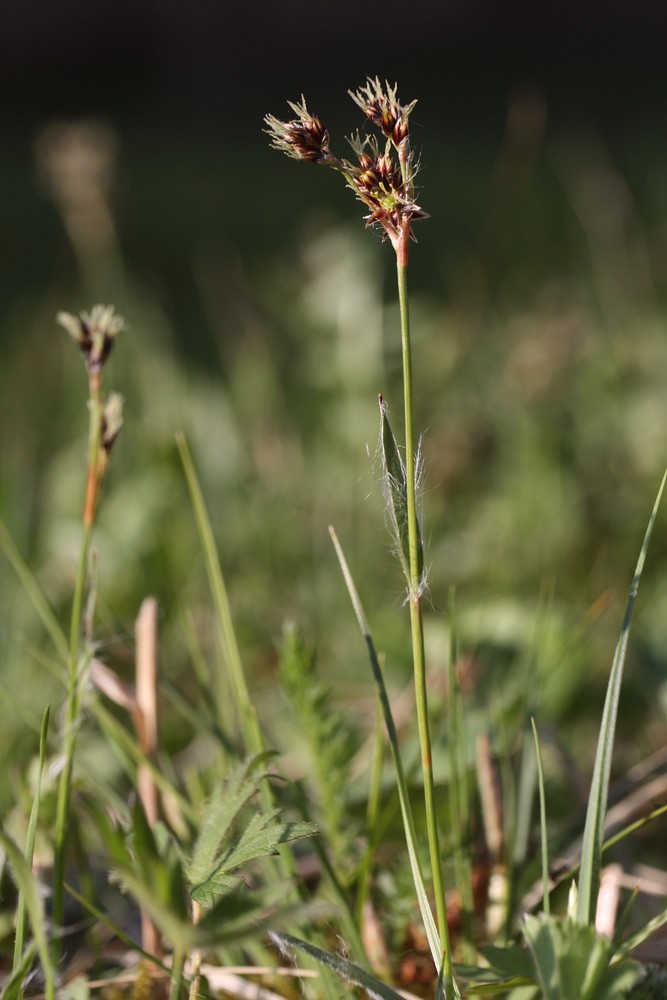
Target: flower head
[
  {"x": 380, "y": 183},
  {"x": 382, "y": 179},
  {"x": 302, "y": 138},
  {"x": 381, "y": 106},
  {"x": 112, "y": 421},
  {"x": 94, "y": 332}
]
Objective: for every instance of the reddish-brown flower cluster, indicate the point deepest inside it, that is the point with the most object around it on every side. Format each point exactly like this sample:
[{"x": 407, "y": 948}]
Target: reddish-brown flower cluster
[
  {"x": 384, "y": 185},
  {"x": 379, "y": 183},
  {"x": 303, "y": 138},
  {"x": 381, "y": 106}
]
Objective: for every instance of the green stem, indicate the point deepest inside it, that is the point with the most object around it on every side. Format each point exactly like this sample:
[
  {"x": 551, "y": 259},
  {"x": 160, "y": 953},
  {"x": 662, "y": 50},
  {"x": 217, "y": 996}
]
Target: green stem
[
  {"x": 95, "y": 407},
  {"x": 416, "y": 623}
]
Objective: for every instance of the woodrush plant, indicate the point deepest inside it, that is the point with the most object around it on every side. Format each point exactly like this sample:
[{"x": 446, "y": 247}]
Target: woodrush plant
[
  {"x": 383, "y": 179},
  {"x": 568, "y": 958},
  {"x": 185, "y": 881},
  {"x": 95, "y": 333}
]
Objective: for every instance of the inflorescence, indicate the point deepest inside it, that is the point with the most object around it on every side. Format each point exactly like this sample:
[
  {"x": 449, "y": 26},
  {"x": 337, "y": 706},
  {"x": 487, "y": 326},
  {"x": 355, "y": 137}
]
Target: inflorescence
[{"x": 382, "y": 178}]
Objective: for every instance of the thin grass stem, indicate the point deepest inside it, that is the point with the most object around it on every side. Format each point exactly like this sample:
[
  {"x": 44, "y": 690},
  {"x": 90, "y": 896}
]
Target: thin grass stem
[
  {"x": 75, "y": 663},
  {"x": 416, "y": 622}
]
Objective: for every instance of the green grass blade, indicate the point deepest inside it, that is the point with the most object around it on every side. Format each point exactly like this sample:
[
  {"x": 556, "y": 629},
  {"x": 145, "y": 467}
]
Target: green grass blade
[
  {"x": 15, "y": 985},
  {"x": 458, "y": 787},
  {"x": 128, "y": 750},
  {"x": 33, "y": 590},
  {"x": 27, "y": 886},
  {"x": 30, "y": 840},
  {"x": 643, "y": 934},
  {"x": 403, "y": 795},
  {"x": 543, "y": 821},
  {"x": 597, "y": 801},
  {"x": 226, "y": 631},
  {"x": 348, "y": 971},
  {"x": 395, "y": 488}
]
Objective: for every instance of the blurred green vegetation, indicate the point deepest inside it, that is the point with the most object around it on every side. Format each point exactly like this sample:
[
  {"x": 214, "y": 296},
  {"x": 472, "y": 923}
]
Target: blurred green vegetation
[{"x": 263, "y": 324}]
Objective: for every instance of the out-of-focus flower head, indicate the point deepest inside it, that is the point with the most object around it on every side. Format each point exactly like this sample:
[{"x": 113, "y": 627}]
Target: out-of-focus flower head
[{"x": 94, "y": 332}]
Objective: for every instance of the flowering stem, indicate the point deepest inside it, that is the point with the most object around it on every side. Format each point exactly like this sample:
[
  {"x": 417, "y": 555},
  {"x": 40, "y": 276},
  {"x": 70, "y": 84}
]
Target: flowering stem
[
  {"x": 95, "y": 408},
  {"x": 416, "y": 623}
]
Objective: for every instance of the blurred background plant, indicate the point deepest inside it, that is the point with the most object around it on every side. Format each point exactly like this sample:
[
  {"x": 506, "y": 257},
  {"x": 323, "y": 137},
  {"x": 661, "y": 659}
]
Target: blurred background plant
[{"x": 262, "y": 324}]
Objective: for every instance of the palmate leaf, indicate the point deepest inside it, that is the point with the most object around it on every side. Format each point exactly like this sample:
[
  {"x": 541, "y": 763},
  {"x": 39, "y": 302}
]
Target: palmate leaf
[
  {"x": 220, "y": 812},
  {"x": 219, "y": 851},
  {"x": 260, "y": 838}
]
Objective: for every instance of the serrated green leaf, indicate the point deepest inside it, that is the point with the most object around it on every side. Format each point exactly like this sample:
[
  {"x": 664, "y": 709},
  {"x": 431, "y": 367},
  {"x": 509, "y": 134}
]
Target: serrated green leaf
[
  {"x": 260, "y": 838},
  {"x": 221, "y": 811}
]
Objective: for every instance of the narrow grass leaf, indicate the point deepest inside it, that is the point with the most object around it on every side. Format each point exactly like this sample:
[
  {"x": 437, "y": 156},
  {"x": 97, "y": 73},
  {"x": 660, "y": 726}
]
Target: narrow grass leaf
[
  {"x": 115, "y": 929},
  {"x": 348, "y": 971},
  {"x": 643, "y": 934},
  {"x": 401, "y": 783},
  {"x": 34, "y": 592},
  {"x": 226, "y": 632},
  {"x": 543, "y": 821},
  {"x": 30, "y": 837},
  {"x": 15, "y": 985},
  {"x": 394, "y": 481},
  {"x": 597, "y": 800},
  {"x": 27, "y": 886},
  {"x": 130, "y": 753}
]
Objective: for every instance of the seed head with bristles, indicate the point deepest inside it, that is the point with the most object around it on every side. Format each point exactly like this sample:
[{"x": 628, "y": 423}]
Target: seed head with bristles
[
  {"x": 302, "y": 138},
  {"x": 382, "y": 180},
  {"x": 381, "y": 106}
]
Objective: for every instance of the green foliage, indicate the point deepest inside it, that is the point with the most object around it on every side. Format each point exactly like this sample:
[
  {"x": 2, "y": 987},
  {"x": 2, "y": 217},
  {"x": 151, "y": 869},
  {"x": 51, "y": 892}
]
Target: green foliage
[
  {"x": 541, "y": 389},
  {"x": 572, "y": 962},
  {"x": 394, "y": 487},
  {"x": 218, "y": 853},
  {"x": 329, "y": 736}
]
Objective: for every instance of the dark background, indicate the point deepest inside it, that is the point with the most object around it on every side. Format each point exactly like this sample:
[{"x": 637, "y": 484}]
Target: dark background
[{"x": 186, "y": 86}]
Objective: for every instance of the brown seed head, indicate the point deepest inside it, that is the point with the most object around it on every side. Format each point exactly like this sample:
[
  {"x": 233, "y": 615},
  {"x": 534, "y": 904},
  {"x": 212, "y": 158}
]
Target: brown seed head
[
  {"x": 382, "y": 107},
  {"x": 302, "y": 138}
]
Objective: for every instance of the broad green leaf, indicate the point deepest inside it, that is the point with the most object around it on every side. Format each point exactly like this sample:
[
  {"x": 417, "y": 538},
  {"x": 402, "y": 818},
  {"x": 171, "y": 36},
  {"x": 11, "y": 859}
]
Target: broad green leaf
[{"x": 572, "y": 962}]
